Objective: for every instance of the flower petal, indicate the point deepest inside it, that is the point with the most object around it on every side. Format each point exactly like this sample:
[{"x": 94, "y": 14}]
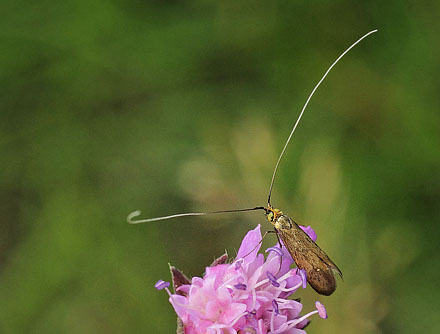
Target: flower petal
[
  {"x": 309, "y": 231},
  {"x": 179, "y": 304},
  {"x": 250, "y": 245}
]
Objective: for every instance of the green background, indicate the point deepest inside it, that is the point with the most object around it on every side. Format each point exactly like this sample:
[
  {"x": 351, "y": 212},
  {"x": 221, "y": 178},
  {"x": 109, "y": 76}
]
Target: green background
[{"x": 174, "y": 106}]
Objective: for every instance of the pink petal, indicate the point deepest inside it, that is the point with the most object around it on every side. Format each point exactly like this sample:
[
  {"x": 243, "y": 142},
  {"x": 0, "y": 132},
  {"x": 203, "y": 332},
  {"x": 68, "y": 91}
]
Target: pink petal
[
  {"x": 220, "y": 328},
  {"x": 279, "y": 322},
  {"x": 292, "y": 309},
  {"x": 212, "y": 310},
  {"x": 184, "y": 289},
  {"x": 179, "y": 304},
  {"x": 290, "y": 282},
  {"x": 202, "y": 326},
  {"x": 196, "y": 281},
  {"x": 254, "y": 270},
  {"x": 232, "y": 312},
  {"x": 223, "y": 296},
  {"x": 310, "y": 232},
  {"x": 189, "y": 328},
  {"x": 216, "y": 270},
  {"x": 286, "y": 263},
  {"x": 250, "y": 245},
  {"x": 287, "y": 257}
]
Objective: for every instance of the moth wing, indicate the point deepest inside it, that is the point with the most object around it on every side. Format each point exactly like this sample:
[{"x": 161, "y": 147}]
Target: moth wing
[{"x": 310, "y": 257}]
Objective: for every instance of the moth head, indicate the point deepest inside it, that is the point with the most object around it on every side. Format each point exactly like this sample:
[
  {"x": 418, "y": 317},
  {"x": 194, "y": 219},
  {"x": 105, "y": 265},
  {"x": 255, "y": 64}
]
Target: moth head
[{"x": 273, "y": 214}]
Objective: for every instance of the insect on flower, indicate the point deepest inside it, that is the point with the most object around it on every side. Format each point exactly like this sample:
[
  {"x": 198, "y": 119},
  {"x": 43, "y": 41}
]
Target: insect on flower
[
  {"x": 251, "y": 294},
  {"x": 305, "y": 252}
]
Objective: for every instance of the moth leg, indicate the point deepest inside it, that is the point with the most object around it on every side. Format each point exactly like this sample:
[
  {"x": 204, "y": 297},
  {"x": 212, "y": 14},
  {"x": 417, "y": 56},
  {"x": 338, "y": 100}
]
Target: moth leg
[
  {"x": 278, "y": 237},
  {"x": 281, "y": 246}
]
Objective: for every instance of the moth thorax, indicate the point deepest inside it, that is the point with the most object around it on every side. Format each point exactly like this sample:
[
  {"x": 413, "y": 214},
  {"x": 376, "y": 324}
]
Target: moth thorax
[
  {"x": 282, "y": 223},
  {"x": 273, "y": 216}
]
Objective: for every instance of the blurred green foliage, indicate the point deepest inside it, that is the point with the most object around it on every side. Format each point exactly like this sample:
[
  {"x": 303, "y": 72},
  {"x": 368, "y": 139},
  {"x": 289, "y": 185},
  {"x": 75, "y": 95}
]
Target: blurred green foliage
[{"x": 176, "y": 106}]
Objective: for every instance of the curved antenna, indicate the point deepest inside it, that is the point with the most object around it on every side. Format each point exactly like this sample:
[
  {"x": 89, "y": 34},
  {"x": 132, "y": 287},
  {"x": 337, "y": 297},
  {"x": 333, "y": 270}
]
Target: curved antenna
[
  {"x": 134, "y": 214},
  {"x": 304, "y": 108}
]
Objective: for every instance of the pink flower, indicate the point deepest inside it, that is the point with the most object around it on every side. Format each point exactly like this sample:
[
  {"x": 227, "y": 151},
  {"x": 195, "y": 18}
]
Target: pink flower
[{"x": 248, "y": 295}]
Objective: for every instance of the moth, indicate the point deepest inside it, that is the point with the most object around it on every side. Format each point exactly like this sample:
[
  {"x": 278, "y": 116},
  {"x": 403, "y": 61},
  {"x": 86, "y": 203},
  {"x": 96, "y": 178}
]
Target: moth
[{"x": 305, "y": 252}]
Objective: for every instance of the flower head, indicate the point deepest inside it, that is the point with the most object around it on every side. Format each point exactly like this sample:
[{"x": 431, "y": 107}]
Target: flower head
[{"x": 248, "y": 295}]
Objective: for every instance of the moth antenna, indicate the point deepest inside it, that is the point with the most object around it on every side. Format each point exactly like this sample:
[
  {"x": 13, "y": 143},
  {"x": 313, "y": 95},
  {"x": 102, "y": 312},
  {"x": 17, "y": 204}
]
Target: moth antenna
[
  {"x": 137, "y": 213},
  {"x": 304, "y": 108}
]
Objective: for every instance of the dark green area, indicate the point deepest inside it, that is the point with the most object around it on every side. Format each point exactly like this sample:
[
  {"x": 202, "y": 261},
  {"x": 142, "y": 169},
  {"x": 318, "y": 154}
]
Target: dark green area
[{"x": 168, "y": 107}]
